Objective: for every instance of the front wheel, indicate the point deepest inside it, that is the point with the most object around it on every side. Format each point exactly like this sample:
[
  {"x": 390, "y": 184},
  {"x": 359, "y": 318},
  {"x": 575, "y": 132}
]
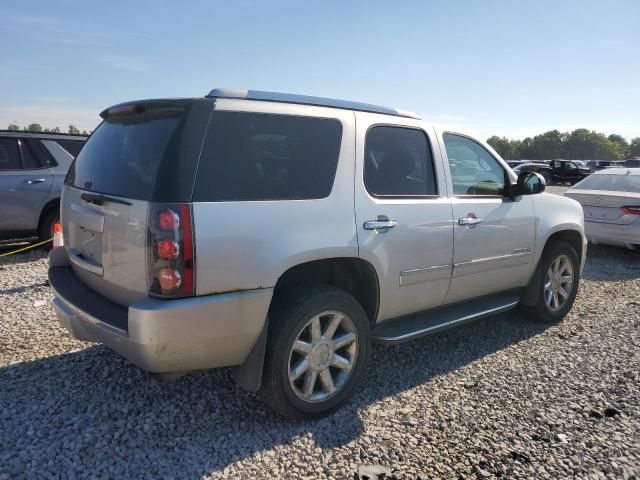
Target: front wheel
[
  {"x": 317, "y": 351},
  {"x": 559, "y": 279}
]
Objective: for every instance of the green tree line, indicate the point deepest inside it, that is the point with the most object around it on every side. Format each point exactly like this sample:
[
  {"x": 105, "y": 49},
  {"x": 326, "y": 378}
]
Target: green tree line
[
  {"x": 581, "y": 144},
  {"x": 36, "y": 127}
]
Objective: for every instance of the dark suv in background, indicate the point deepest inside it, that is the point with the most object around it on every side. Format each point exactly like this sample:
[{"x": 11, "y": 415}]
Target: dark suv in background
[
  {"x": 567, "y": 171},
  {"x": 32, "y": 171}
]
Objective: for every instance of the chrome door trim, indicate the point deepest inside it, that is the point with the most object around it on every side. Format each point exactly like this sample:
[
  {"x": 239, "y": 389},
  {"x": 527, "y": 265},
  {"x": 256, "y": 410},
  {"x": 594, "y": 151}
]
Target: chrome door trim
[
  {"x": 420, "y": 275},
  {"x": 519, "y": 252},
  {"x": 415, "y": 271}
]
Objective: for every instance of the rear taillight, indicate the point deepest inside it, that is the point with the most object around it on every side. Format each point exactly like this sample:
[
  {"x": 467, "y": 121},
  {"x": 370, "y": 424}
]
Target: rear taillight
[
  {"x": 631, "y": 210},
  {"x": 168, "y": 220},
  {"x": 170, "y": 251}
]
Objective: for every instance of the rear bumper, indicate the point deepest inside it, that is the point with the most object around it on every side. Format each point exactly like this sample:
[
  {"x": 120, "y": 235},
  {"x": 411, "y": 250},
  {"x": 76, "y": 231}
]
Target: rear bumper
[
  {"x": 611, "y": 234},
  {"x": 162, "y": 335}
]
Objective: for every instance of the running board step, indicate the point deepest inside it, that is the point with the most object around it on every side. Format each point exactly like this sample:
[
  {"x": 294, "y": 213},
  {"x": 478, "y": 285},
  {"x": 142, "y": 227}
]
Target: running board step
[{"x": 425, "y": 323}]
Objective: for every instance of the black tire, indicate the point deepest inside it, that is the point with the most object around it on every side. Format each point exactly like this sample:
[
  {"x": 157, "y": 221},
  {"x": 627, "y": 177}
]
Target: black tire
[
  {"x": 541, "y": 311},
  {"x": 45, "y": 231},
  {"x": 287, "y": 318},
  {"x": 548, "y": 180}
]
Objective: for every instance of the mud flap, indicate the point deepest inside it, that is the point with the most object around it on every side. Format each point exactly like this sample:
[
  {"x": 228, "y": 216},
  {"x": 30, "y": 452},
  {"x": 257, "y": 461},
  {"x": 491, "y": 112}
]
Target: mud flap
[
  {"x": 532, "y": 291},
  {"x": 249, "y": 374}
]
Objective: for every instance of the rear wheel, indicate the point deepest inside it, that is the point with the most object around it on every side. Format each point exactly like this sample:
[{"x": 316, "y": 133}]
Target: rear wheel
[
  {"x": 317, "y": 350},
  {"x": 45, "y": 231},
  {"x": 559, "y": 279}
]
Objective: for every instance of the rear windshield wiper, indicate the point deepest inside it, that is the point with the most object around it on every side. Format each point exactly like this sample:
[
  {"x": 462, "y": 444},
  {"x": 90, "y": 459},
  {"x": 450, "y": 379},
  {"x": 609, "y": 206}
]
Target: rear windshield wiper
[{"x": 99, "y": 199}]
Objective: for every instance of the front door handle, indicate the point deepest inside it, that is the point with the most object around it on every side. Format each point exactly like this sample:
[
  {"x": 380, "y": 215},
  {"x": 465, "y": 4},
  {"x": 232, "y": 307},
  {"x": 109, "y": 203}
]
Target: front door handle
[
  {"x": 469, "y": 221},
  {"x": 380, "y": 224},
  {"x": 33, "y": 181}
]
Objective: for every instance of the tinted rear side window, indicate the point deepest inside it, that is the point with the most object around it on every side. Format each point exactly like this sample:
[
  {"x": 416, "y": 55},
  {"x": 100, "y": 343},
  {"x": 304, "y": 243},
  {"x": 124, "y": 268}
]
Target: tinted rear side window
[
  {"x": 398, "y": 163},
  {"x": 71, "y": 146},
  {"x": 123, "y": 155},
  {"x": 28, "y": 156},
  {"x": 9, "y": 154},
  {"x": 256, "y": 156}
]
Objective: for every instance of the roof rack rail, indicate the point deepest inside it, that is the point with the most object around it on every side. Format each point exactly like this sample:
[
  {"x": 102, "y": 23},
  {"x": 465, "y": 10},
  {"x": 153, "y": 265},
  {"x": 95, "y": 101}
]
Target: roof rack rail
[
  {"x": 22, "y": 132},
  {"x": 306, "y": 100}
]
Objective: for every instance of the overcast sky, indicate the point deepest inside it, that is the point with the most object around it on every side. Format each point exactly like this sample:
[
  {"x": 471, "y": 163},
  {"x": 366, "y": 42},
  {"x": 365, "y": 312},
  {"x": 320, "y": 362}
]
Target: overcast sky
[{"x": 513, "y": 68}]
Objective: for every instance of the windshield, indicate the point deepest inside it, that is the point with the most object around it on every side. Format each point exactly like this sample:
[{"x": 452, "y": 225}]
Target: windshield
[
  {"x": 123, "y": 155},
  {"x": 615, "y": 183}
]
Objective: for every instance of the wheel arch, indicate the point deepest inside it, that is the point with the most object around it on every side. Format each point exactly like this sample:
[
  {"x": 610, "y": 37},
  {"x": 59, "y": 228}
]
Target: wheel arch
[
  {"x": 354, "y": 275},
  {"x": 48, "y": 207},
  {"x": 351, "y": 274}
]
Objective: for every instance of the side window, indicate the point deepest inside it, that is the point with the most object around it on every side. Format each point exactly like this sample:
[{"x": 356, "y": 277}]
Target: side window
[
  {"x": 71, "y": 146},
  {"x": 257, "y": 156},
  {"x": 28, "y": 156},
  {"x": 398, "y": 163},
  {"x": 9, "y": 154},
  {"x": 571, "y": 166},
  {"x": 474, "y": 171},
  {"x": 40, "y": 154}
]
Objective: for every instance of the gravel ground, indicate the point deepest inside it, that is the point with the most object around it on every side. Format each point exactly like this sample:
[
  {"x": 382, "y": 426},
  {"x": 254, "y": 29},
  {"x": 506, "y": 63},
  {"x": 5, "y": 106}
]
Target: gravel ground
[{"x": 502, "y": 397}]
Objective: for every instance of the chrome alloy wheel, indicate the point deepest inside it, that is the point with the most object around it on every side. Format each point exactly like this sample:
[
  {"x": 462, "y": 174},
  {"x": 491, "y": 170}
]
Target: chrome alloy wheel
[
  {"x": 558, "y": 283},
  {"x": 323, "y": 356}
]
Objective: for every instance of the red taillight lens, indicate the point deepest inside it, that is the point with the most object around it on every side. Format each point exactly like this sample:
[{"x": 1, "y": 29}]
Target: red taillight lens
[
  {"x": 631, "y": 210},
  {"x": 169, "y": 279},
  {"x": 167, "y": 249},
  {"x": 168, "y": 220},
  {"x": 171, "y": 251}
]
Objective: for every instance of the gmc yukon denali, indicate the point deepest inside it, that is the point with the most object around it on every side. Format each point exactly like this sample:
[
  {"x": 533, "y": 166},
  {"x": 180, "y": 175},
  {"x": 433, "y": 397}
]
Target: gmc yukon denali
[{"x": 282, "y": 235}]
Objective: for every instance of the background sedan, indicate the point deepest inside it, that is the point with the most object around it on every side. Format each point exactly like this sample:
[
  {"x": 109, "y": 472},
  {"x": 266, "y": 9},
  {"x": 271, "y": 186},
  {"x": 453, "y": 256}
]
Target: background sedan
[{"x": 611, "y": 202}]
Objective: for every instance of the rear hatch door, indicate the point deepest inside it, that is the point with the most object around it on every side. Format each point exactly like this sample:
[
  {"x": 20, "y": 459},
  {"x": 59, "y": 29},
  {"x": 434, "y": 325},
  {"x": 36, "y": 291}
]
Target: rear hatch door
[{"x": 142, "y": 152}]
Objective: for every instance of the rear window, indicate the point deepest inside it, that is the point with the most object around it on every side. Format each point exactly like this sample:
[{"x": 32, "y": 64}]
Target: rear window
[
  {"x": 123, "y": 155},
  {"x": 71, "y": 146},
  {"x": 256, "y": 156},
  {"x": 613, "y": 183}
]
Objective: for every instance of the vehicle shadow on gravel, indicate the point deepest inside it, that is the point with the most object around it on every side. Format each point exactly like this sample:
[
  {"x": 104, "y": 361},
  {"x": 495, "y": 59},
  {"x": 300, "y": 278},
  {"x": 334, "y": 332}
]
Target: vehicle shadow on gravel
[
  {"x": 13, "y": 291},
  {"x": 611, "y": 264},
  {"x": 94, "y": 412}
]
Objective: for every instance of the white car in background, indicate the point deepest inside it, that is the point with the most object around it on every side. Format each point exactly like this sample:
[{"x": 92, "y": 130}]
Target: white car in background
[{"x": 610, "y": 199}]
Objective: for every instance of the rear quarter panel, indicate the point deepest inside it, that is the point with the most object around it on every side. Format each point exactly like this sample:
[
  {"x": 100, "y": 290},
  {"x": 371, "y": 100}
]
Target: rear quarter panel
[{"x": 249, "y": 245}]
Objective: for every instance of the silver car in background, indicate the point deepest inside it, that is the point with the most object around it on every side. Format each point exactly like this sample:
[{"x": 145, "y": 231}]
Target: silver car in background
[{"x": 611, "y": 202}]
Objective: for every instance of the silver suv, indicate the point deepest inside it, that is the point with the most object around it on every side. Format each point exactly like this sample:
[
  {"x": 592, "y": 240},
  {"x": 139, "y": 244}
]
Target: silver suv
[
  {"x": 283, "y": 234},
  {"x": 32, "y": 170}
]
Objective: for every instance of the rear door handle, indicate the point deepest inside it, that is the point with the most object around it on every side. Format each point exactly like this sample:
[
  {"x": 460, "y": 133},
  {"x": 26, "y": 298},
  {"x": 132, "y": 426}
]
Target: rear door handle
[
  {"x": 33, "y": 181},
  {"x": 469, "y": 221},
  {"x": 380, "y": 224}
]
